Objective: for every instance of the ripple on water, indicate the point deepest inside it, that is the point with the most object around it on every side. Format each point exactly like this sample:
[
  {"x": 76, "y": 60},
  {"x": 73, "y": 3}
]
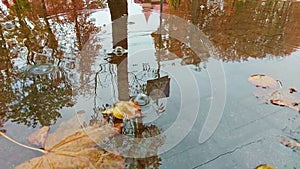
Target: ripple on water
[{"x": 41, "y": 69}]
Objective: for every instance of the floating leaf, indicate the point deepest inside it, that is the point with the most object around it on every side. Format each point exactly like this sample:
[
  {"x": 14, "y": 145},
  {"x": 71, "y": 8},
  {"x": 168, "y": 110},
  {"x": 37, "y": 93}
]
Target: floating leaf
[
  {"x": 265, "y": 166},
  {"x": 73, "y": 147},
  {"x": 286, "y": 99},
  {"x": 280, "y": 97},
  {"x": 125, "y": 110},
  {"x": 39, "y": 137},
  {"x": 292, "y": 90},
  {"x": 289, "y": 142},
  {"x": 263, "y": 81}
]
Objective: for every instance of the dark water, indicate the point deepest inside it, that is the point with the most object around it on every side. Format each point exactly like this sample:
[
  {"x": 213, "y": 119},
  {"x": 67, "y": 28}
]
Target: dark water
[{"x": 194, "y": 60}]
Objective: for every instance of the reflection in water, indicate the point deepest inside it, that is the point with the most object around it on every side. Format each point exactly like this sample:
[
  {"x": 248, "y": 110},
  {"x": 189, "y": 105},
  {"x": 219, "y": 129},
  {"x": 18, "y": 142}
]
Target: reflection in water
[
  {"x": 118, "y": 9},
  {"x": 63, "y": 34},
  {"x": 37, "y": 57},
  {"x": 36, "y": 99},
  {"x": 243, "y": 29}
]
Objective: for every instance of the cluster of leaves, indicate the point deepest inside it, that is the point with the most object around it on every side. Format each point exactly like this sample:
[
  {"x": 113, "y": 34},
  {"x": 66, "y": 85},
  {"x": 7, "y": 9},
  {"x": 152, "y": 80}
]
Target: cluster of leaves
[
  {"x": 272, "y": 92},
  {"x": 75, "y": 145}
]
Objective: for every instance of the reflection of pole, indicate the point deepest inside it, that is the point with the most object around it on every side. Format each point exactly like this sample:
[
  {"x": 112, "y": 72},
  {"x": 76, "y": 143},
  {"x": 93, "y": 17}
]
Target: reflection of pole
[
  {"x": 160, "y": 46},
  {"x": 160, "y": 39},
  {"x": 195, "y": 11},
  {"x": 118, "y": 9}
]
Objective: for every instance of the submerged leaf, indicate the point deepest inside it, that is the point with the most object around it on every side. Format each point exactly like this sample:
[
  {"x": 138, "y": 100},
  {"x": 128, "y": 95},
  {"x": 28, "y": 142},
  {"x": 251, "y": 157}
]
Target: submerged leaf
[
  {"x": 73, "y": 147},
  {"x": 289, "y": 142},
  {"x": 280, "y": 97},
  {"x": 263, "y": 81},
  {"x": 265, "y": 166}
]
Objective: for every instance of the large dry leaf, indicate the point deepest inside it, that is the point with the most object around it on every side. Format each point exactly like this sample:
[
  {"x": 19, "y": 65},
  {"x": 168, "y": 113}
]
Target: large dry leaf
[
  {"x": 289, "y": 142},
  {"x": 71, "y": 146},
  {"x": 263, "y": 81},
  {"x": 265, "y": 166},
  {"x": 125, "y": 110}
]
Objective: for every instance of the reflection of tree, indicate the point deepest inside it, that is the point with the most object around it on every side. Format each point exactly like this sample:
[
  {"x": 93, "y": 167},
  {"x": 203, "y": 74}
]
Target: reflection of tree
[
  {"x": 151, "y": 147},
  {"x": 242, "y": 29},
  {"x": 35, "y": 37},
  {"x": 148, "y": 140},
  {"x": 3, "y": 119},
  {"x": 169, "y": 48},
  {"x": 253, "y": 30},
  {"x": 4, "y": 51},
  {"x": 38, "y": 99}
]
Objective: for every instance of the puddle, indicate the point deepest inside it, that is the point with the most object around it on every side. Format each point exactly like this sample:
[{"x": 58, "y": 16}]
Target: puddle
[{"x": 187, "y": 68}]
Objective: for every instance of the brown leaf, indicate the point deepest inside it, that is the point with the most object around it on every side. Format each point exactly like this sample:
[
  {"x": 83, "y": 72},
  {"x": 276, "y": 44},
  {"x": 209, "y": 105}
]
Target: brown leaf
[
  {"x": 292, "y": 90},
  {"x": 263, "y": 81},
  {"x": 289, "y": 142},
  {"x": 280, "y": 97},
  {"x": 286, "y": 99},
  {"x": 39, "y": 137},
  {"x": 71, "y": 146}
]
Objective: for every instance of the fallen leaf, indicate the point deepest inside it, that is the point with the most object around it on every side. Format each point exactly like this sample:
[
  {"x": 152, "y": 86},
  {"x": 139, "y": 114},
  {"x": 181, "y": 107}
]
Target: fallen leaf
[
  {"x": 263, "y": 81},
  {"x": 289, "y": 142},
  {"x": 124, "y": 110},
  {"x": 292, "y": 90},
  {"x": 38, "y": 137},
  {"x": 71, "y": 146},
  {"x": 280, "y": 97},
  {"x": 265, "y": 166},
  {"x": 286, "y": 99}
]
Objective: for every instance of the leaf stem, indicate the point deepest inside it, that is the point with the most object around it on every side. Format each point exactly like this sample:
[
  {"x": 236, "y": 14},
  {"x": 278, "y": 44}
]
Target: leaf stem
[{"x": 22, "y": 145}]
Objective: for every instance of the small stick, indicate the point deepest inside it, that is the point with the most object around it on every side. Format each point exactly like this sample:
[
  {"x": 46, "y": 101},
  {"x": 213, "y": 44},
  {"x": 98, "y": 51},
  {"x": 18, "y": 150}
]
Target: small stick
[{"x": 22, "y": 145}]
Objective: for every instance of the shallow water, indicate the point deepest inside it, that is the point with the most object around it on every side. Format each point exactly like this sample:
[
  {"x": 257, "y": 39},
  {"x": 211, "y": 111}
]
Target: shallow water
[{"x": 192, "y": 61}]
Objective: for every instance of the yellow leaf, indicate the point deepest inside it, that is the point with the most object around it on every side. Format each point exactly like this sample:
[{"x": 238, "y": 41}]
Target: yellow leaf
[
  {"x": 265, "y": 166},
  {"x": 124, "y": 110}
]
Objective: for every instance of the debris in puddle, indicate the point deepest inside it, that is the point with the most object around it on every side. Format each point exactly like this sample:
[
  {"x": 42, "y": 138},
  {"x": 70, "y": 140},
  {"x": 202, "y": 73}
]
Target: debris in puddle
[
  {"x": 289, "y": 142},
  {"x": 264, "y": 81},
  {"x": 124, "y": 110},
  {"x": 269, "y": 94},
  {"x": 70, "y": 146}
]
